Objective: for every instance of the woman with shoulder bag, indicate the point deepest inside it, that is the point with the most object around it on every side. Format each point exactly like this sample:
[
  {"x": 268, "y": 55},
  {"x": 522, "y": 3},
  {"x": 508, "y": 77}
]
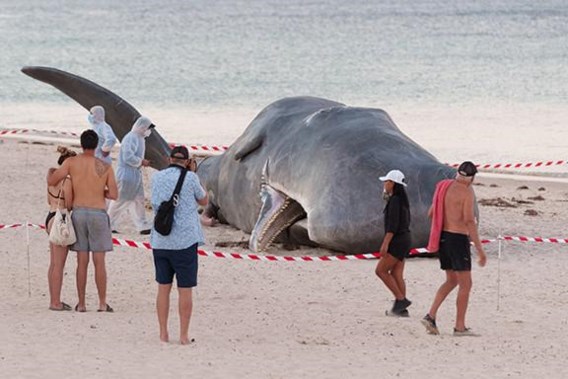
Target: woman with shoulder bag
[{"x": 59, "y": 196}]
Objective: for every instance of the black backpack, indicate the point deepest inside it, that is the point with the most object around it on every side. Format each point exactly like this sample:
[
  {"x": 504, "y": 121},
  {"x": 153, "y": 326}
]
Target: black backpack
[{"x": 165, "y": 215}]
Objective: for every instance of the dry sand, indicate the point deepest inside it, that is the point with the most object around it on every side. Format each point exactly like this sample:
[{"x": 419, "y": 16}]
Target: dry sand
[{"x": 286, "y": 320}]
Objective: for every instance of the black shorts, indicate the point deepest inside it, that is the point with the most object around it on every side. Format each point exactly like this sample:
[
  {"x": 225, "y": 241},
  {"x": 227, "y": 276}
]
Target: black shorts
[
  {"x": 183, "y": 263},
  {"x": 50, "y": 215},
  {"x": 399, "y": 246},
  {"x": 455, "y": 252}
]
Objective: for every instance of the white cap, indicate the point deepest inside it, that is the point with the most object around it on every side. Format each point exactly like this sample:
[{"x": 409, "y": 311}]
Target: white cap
[{"x": 395, "y": 176}]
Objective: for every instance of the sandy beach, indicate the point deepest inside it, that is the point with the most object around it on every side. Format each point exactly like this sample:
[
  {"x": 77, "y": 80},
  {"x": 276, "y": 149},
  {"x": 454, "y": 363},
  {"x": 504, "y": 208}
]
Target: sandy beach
[{"x": 286, "y": 319}]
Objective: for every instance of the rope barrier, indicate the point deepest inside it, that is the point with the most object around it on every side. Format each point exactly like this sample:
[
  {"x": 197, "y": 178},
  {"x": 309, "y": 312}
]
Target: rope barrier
[{"x": 275, "y": 258}]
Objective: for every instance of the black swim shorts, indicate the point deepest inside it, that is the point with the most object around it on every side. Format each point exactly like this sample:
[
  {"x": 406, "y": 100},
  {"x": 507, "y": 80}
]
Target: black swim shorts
[
  {"x": 399, "y": 246},
  {"x": 455, "y": 252},
  {"x": 183, "y": 263},
  {"x": 50, "y": 215}
]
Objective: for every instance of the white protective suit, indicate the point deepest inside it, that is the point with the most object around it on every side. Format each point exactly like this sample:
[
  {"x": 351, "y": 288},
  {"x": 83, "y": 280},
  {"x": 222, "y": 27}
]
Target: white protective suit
[
  {"x": 129, "y": 177},
  {"x": 107, "y": 139}
]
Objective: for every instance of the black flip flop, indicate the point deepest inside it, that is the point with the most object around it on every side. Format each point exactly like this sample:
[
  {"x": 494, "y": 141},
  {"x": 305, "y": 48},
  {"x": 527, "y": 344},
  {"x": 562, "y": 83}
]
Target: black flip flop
[
  {"x": 108, "y": 309},
  {"x": 64, "y": 307}
]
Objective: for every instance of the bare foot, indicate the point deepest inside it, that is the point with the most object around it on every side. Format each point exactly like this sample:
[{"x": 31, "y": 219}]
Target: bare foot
[
  {"x": 164, "y": 337},
  {"x": 186, "y": 341}
]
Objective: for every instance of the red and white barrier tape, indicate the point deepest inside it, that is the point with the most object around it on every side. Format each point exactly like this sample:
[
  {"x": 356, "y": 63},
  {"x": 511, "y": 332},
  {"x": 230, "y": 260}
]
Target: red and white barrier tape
[
  {"x": 274, "y": 258},
  {"x": 516, "y": 165},
  {"x": 252, "y": 257},
  {"x": 27, "y": 131},
  {"x": 268, "y": 258},
  {"x": 205, "y": 148},
  {"x": 535, "y": 239},
  {"x": 213, "y": 149},
  {"x": 13, "y": 226}
]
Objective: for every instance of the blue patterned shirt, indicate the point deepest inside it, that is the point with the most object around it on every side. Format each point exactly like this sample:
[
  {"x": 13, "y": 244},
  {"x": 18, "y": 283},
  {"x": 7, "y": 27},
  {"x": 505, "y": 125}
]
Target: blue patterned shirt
[{"x": 186, "y": 229}]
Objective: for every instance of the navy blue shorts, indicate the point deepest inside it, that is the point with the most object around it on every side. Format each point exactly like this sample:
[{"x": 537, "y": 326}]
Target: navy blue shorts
[
  {"x": 455, "y": 253},
  {"x": 183, "y": 263}
]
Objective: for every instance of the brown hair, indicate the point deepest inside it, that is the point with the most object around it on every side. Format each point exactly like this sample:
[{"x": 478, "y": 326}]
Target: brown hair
[{"x": 65, "y": 153}]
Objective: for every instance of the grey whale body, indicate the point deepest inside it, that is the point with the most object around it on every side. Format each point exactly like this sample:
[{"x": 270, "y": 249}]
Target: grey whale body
[{"x": 318, "y": 162}]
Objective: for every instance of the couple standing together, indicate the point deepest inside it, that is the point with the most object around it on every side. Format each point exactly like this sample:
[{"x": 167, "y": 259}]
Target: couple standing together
[
  {"x": 453, "y": 227},
  {"x": 86, "y": 183}
]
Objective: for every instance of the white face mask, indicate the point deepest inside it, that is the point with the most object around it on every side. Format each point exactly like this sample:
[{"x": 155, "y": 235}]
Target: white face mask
[
  {"x": 91, "y": 119},
  {"x": 386, "y": 196},
  {"x": 147, "y": 133}
]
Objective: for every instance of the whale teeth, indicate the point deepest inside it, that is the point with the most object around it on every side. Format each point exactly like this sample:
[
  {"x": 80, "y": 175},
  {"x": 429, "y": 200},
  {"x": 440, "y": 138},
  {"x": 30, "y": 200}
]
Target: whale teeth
[{"x": 288, "y": 213}]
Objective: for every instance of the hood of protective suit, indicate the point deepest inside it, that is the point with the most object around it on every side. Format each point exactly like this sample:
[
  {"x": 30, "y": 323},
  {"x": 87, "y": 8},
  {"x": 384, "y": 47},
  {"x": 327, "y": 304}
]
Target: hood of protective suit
[
  {"x": 97, "y": 115},
  {"x": 142, "y": 126}
]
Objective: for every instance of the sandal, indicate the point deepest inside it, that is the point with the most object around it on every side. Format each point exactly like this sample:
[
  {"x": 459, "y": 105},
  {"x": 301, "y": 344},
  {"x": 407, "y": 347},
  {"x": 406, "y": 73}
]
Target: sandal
[
  {"x": 430, "y": 325},
  {"x": 64, "y": 307},
  {"x": 467, "y": 332},
  {"x": 107, "y": 309},
  {"x": 77, "y": 309}
]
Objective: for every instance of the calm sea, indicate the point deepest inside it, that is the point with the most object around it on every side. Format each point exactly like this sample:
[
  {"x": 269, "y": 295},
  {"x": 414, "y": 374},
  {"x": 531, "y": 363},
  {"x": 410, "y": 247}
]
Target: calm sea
[{"x": 483, "y": 79}]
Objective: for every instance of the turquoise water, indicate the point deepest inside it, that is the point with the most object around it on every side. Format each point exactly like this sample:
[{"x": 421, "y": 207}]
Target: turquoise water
[
  {"x": 492, "y": 71},
  {"x": 210, "y": 53}
]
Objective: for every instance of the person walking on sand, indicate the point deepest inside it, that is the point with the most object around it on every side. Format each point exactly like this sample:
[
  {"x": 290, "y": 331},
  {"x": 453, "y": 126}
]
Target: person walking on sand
[
  {"x": 453, "y": 226},
  {"x": 176, "y": 253},
  {"x": 59, "y": 196},
  {"x": 396, "y": 242},
  {"x": 92, "y": 182},
  {"x": 107, "y": 139},
  {"x": 129, "y": 177}
]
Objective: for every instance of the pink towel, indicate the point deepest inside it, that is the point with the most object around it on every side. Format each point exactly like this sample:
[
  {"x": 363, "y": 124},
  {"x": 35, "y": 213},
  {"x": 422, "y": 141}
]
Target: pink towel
[{"x": 438, "y": 215}]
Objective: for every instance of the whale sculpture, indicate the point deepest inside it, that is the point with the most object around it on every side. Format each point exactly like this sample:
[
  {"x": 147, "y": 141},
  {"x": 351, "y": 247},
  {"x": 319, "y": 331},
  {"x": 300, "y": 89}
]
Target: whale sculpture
[{"x": 305, "y": 171}]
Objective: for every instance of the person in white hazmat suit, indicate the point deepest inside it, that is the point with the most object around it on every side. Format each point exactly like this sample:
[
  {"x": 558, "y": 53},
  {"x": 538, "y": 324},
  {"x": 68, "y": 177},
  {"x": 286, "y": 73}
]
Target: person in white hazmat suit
[
  {"x": 107, "y": 139},
  {"x": 129, "y": 177}
]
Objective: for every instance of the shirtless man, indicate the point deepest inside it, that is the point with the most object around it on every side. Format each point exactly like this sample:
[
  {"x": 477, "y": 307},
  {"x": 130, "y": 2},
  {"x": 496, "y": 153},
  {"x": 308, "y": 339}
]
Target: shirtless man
[
  {"x": 93, "y": 182},
  {"x": 459, "y": 227}
]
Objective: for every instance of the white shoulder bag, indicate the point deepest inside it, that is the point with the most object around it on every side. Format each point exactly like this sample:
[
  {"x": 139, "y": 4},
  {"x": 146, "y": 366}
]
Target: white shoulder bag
[{"x": 62, "y": 232}]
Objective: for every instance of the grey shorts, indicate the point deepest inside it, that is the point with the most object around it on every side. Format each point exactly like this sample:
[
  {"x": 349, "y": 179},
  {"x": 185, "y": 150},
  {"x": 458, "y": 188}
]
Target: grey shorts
[{"x": 92, "y": 227}]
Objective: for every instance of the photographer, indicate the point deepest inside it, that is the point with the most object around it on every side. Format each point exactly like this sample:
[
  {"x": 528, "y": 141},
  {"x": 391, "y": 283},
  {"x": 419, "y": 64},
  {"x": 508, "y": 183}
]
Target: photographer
[{"x": 176, "y": 253}]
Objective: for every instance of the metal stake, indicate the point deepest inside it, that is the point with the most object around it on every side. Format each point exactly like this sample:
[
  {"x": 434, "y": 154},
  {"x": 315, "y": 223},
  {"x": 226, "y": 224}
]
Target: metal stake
[{"x": 499, "y": 239}]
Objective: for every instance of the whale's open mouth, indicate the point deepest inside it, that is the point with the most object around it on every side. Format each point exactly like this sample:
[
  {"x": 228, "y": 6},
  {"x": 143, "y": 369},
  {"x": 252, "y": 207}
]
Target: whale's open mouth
[{"x": 277, "y": 213}]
